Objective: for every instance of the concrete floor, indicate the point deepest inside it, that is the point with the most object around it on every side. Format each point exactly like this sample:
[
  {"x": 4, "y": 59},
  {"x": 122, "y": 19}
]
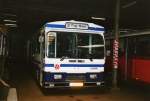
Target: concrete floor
[{"x": 28, "y": 90}]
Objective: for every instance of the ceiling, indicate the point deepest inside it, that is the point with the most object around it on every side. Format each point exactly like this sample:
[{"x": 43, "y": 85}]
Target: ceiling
[{"x": 31, "y": 14}]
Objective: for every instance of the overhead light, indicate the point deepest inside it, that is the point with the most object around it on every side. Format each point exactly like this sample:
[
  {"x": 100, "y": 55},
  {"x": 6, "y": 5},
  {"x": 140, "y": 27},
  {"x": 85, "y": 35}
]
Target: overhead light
[
  {"x": 129, "y": 4},
  {"x": 11, "y": 25},
  {"x": 97, "y": 18},
  {"x": 9, "y": 20}
]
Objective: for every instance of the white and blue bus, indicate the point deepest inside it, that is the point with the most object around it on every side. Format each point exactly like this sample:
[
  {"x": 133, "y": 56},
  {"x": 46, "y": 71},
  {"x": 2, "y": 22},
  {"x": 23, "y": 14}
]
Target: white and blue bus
[{"x": 69, "y": 54}]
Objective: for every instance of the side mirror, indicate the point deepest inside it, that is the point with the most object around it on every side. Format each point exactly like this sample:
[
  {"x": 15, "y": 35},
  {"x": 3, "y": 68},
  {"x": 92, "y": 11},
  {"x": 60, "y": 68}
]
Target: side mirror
[{"x": 41, "y": 39}]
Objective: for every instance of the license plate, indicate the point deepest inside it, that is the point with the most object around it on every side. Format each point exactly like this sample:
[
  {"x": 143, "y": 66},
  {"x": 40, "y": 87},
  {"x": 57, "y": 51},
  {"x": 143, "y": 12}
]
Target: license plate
[{"x": 76, "y": 84}]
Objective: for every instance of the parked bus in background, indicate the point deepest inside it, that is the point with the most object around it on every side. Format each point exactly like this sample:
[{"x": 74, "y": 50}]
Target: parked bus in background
[{"x": 134, "y": 56}]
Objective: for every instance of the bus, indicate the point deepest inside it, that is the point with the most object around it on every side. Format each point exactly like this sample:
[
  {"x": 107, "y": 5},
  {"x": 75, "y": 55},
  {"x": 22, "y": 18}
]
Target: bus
[
  {"x": 69, "y": 54},
  {"x": 134, "y": 56}
]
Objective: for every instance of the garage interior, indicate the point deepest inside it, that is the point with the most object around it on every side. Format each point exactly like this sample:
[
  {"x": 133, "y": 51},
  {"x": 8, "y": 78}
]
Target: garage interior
[{"x": 22, "y": 18}]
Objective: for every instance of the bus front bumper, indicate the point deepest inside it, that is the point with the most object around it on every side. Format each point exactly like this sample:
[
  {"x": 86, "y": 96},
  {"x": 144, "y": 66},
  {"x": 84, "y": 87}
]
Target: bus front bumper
[{"x": 72, "y": 84}]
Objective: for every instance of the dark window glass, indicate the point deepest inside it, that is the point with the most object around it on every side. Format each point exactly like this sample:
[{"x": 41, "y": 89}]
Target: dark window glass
[
  {"x": 143, "y": 46},
  {"x": 79, "y": 45}
]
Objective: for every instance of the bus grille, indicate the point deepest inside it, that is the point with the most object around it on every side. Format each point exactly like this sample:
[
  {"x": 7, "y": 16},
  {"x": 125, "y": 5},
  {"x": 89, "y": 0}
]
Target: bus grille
[{"x": 75, "y": 77}]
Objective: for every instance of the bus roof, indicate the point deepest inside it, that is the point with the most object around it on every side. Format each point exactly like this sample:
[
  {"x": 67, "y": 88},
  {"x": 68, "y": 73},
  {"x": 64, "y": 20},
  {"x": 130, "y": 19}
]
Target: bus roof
[{"x": 74, "y": 25}]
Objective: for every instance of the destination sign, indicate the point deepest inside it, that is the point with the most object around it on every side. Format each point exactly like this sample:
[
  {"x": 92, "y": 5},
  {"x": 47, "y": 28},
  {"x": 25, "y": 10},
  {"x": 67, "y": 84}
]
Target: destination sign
[{"x": 70, "y": 25}]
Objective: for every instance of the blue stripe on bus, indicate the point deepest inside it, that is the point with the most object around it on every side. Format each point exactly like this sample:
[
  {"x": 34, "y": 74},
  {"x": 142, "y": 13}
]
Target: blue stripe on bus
[
  {"x": 96, "y": 29},
  {"x": 49, "y": 65},
  {"x": 76, "y": 65},
  {"x": 63, "y": 26},
  {"x": 55, "y": 26},
  {"x": 81, "y": 65}
]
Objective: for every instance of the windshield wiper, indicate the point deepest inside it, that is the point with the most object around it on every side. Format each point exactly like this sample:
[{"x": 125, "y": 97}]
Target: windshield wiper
[
  {"x": 90, "y": 57},
  {"x": 63, "y": 57}
]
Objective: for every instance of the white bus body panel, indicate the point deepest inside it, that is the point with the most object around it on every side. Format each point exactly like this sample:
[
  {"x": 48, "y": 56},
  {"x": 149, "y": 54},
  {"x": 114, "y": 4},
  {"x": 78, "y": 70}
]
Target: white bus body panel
[{"x": 75, "y": 69}]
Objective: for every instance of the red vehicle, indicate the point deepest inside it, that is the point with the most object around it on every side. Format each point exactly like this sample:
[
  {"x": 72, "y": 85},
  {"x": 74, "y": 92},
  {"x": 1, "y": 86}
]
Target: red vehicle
[{"x": 134, "y": 56}]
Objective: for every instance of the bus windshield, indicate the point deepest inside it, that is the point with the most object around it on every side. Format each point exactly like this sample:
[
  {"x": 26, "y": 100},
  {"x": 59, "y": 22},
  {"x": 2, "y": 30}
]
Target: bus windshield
[{"x": 75, "y": 45}]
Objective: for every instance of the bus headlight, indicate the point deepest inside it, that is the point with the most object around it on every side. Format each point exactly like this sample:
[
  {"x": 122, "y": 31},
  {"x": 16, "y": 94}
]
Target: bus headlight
[
  {"x": 93, "y": 76},
  {"x": 57, "y": 76}
]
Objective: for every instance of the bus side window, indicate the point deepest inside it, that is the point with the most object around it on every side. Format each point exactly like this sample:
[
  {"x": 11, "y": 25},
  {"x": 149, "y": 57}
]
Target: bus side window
[{"x": 143, "y": 47}]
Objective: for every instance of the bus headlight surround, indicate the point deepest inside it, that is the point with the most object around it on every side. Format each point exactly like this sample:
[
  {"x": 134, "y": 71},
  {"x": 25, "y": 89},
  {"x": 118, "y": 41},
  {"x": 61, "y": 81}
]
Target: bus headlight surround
[
  {"x": 57, "y": 76},
  {"x": 93, "y": 76}
]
